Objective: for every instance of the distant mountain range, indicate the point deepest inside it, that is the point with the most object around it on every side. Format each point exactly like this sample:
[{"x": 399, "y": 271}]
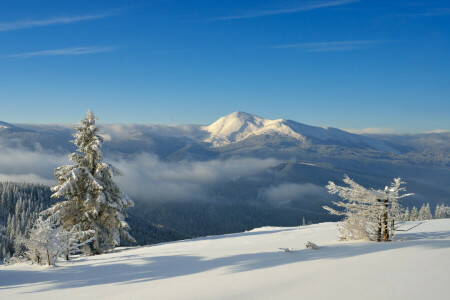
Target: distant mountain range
[
  {"x": 240, "y": 134},
  {"x": 307, "y": 154}
]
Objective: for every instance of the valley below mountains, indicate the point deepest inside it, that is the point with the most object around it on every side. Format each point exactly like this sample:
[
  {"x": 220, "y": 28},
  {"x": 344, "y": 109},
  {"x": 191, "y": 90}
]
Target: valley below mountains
[{"x": 236, "y": 174}]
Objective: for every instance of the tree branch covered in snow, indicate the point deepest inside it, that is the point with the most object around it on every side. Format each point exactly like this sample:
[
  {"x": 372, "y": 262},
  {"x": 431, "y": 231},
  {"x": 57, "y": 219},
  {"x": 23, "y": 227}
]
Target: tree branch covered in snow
[
  {"x": 94, "y": 201},
  {"x": 369, "y": 214}
]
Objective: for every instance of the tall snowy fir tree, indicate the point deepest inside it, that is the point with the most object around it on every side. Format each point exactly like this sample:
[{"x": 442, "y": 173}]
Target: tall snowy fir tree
[{"x": 94, "y": 201}]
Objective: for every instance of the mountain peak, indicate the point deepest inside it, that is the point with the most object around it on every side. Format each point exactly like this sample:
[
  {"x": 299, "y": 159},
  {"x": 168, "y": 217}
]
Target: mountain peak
[
  {"x": 240, "y": 125},
  {"x": 6, "y": 125},
  {"x": 241, "y": 115}
]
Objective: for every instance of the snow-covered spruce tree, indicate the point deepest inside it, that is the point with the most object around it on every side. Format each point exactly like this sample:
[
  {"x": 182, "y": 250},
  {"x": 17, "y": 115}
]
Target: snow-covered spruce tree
[
  {"x": 73, "y": 240},
  {"x": 442, "y": 212},
  {"x": 94, "y": 201},
  {"x": 406, "y": 215},
  {"x": 425, "y": 212},
  {"x": 369, "y": 214},
  {"x": 414, "y": 214}
]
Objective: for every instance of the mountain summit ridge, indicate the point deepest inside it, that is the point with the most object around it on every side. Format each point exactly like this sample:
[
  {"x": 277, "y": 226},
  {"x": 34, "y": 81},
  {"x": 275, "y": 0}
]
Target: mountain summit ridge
[{"x": 239, "y": 126}]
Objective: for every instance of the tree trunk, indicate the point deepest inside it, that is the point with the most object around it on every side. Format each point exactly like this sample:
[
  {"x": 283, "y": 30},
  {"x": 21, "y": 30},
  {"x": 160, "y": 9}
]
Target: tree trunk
[
  {"x": 392, "y": 228},
  {"x": 48, "y": 257},
  {"x": 379, "y": 225},
  {"x": 385, "y": 221},
  {"x": 68, "y": 250}
]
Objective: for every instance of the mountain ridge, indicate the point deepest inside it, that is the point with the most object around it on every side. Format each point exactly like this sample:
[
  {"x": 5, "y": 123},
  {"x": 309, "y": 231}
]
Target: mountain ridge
[{"x": 239, "y": 125}]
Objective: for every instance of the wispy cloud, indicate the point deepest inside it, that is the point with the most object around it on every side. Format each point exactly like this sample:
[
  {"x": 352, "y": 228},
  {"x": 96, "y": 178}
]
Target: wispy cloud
[
  {"x": 440, "y": 11},
  {"x": 330, "y": 46},
  {"x": 305, "y": 7},
  {"x": 64, "y": 51},
  {"x": 371, "y": 130},
  {"x": 52, "y": 21},
  {"x": 438, "y": 131}
]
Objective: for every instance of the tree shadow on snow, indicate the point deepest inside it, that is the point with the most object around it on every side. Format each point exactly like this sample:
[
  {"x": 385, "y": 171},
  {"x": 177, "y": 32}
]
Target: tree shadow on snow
[{"x": 137, "y": 267}]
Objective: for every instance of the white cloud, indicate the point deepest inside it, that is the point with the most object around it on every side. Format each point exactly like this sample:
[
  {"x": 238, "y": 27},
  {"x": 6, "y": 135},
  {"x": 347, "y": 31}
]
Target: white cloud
[
  {"x": 435, "y": 12},
  {"x": 30, "y": 166},
  {"x": 371, "y": 130},
  {"x": 438, "y": 131},
  {"x": 330, "y": 46},
  {"x": 64, "y": 51},
  {"x": 52, "y": 21},
  {"x": 305, "y": 7},
  {"x": 144, "y": 177},
  {"x": 34, "y": 178},
  {"x": 148, "y": 178}
]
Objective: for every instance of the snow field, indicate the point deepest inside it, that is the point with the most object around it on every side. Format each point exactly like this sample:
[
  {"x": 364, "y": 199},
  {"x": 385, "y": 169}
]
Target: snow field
[{"x": 250, "y": 265}]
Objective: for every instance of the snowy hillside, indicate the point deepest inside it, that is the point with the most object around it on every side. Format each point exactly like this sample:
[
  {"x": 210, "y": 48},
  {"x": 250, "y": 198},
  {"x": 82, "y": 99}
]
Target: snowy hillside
[{"x": 250, "y": 265}]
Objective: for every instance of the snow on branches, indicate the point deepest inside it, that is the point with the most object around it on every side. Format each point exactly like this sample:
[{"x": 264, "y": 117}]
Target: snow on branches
[
  {"x": 369, "y": 214},
  {"x": 46, "y": 242},
  {"x": 94, "y": 201}
]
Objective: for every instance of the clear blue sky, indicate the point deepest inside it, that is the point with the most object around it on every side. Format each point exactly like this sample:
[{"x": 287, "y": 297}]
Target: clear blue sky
[{"x": 340, "y": 63}]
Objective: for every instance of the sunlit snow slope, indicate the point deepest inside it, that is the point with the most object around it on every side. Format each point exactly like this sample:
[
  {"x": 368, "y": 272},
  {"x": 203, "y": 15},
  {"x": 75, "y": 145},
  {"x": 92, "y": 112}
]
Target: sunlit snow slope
[{"x": 250, "y": 266}]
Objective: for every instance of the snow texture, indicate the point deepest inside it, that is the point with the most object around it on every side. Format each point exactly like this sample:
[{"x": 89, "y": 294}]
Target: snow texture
[{"x": 250, "y": 265}]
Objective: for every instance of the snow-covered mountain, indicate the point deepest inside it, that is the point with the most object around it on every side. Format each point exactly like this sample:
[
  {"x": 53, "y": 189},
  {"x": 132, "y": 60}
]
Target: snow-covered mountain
[
  {"x": 250, "y": 265},
  {"x": 4, "y": 126},
  {"x": 239, "y": 126},
  {"x": 227, "y": 130}
]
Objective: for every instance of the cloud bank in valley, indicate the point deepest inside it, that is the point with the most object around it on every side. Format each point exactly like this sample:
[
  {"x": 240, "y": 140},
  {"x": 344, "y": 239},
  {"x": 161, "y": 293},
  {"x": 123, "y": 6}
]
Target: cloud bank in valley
[
  {"x": 287, "y": 192},
  {"x": 17, "y": 164},
  {"x": 145, "y": 176},
  {"x": 148, "y": 178}
]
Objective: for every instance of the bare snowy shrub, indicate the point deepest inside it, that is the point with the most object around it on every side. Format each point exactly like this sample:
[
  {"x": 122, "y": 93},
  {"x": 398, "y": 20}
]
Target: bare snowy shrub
[{"x": 369, "y": 214}]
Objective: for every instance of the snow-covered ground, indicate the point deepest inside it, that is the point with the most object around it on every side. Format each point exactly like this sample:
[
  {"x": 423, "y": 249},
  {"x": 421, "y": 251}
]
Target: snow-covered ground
[{"x": 250, "y": 265}]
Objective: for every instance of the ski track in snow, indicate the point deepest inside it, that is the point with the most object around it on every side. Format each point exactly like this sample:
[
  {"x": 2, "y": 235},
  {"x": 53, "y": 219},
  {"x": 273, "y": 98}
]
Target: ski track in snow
[{"x": 250, "y": 266}]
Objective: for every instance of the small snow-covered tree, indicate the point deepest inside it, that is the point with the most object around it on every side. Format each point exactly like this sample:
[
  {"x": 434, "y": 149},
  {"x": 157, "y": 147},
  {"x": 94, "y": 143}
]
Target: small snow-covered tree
[
  {"x": 73, "y": 240},
  {"x": 369, "y": 214},
  {"x": 360, "y": 208},
  {"x": 445, "y": 211},
  {"x": 407, "y": 215},
  {"x": 442, "y": 212},
  {"x": 43, "y": 244},
  {"x": 425, "y": 212},
  {"x": 414, "y": 214},
  {"x": 94, "y": 201},
  {"x": 393, "y": 194}
]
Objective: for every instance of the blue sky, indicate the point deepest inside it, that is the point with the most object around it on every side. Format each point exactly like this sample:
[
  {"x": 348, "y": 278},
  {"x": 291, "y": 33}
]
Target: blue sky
[{"x": 340, "y": 63}]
